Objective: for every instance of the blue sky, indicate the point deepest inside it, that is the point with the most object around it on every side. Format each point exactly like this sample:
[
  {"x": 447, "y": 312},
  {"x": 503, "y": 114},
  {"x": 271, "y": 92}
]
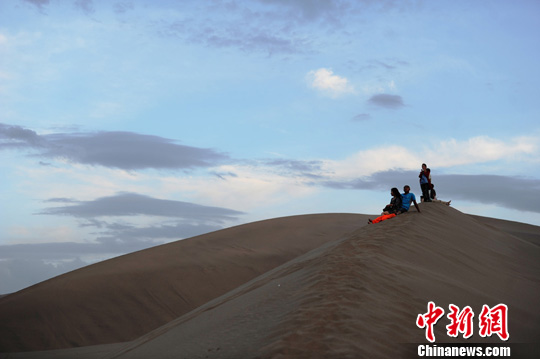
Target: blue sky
[{"x": 126, "y": 124}]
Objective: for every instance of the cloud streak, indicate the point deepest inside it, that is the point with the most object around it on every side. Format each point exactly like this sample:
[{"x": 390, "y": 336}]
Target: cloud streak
[
  {"x": 123, "y": 150},
  {"x": 238, "y": 26},
  {"x": 131, "y": 204}
]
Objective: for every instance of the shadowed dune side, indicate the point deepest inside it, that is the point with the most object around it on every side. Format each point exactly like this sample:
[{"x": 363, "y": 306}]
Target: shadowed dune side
[
  {"x": 123, "y": 298},
  {"x": 358, "y": 297}
]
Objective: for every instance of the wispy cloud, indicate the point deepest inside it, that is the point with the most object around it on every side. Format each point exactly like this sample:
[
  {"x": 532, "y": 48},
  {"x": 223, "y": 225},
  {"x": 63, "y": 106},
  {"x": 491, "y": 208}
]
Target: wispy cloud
[
  {"x": 309, "y": 168},
  {"x": 87, "y": 6},
  {"x": 38, "y": 3},
  {"x": 242, "y": 26},
  {"x": 311, "y": 10},
  {"x": 361, "y": 117},
  {"x": 256, "y": 40}
]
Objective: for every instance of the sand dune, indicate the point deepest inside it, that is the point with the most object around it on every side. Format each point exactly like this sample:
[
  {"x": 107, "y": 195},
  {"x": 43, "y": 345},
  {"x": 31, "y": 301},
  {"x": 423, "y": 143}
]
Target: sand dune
[
  {"x": 126, "y": 297},
  {"x": 355, "y": 296}
]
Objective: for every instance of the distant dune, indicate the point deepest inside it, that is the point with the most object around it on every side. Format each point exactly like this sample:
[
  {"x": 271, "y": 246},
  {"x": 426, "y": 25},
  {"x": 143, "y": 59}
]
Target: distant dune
[{"x": 313, "y": 286}]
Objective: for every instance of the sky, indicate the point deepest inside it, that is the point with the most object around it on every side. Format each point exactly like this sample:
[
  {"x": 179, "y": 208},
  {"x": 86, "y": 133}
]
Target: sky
[{"x": 129, "y": 124}]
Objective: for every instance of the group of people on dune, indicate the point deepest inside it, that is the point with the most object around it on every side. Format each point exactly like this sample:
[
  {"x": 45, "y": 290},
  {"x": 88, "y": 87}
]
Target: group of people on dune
[{"x": 401, "y": 202}]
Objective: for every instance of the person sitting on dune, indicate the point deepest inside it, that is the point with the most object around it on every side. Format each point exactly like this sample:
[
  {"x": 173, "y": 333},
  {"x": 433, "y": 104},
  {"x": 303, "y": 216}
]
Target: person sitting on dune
[
  {"x": 408, "y": 197},
  {"x": 392, "y": 209},
  {"x": 434, "y": 196}
]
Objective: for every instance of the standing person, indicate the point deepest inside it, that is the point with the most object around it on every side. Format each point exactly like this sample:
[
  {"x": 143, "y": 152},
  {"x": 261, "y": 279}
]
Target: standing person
[
  {"x": 407, "y": 198},
  {"x": 425, "y": 182}
]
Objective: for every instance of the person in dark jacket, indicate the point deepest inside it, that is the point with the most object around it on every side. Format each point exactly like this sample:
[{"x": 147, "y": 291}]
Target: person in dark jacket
[
  {"x": 425, "y": 182},
  {"x": 392, "y": 209},
  {"x": 395, "y": 203}
]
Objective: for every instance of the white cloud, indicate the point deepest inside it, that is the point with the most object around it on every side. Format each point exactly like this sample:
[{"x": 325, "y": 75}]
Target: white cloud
[
  {"x": 481, "y": 149},
  {"x": 325, "y": 81},
  {"x": 367, "y": 162},
  {"x": 242, "y": 187},
  {"x": 443, "y": 154}
]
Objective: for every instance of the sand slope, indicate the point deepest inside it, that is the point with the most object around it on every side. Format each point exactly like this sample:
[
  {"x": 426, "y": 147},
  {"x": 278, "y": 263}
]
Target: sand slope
[
  {"x": 358, "y": 296},
  {"x": 126, "y": 297}
]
